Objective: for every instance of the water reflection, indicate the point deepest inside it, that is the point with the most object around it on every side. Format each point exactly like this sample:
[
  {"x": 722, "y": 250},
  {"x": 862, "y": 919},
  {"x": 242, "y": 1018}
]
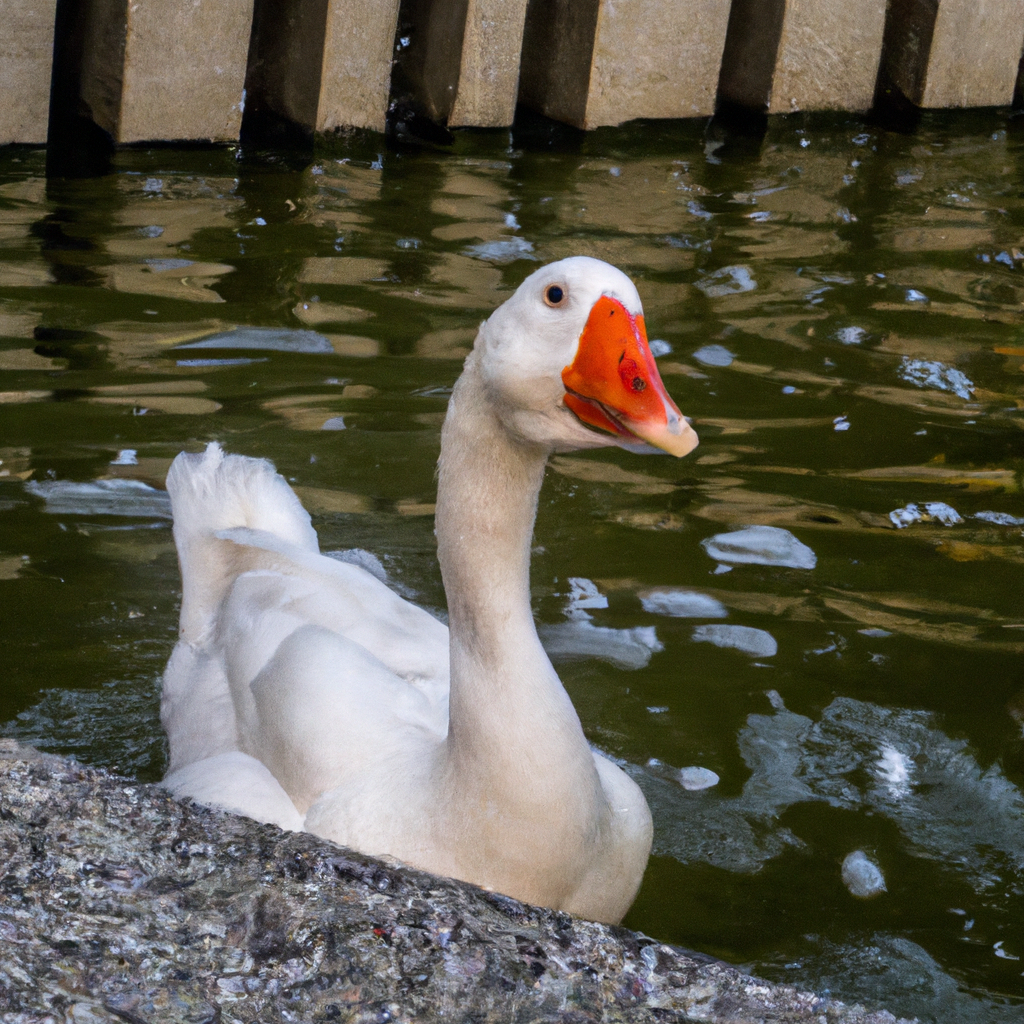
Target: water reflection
[{"x": 839, "y": 310}]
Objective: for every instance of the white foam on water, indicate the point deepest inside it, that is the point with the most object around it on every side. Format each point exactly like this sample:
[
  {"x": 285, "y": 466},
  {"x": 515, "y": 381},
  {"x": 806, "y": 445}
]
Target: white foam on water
[
  {"x": 926, "y": 373},
  {"x": 931, "y": 512},
  {"x": 694, "y": 778},
  {"x": 507, "y": 250},
  {"x": 364, "y": 559},
  {"x": 756, "y": 642},
  {"x": 266, "y": 339},
  {"x": 714, "y": 355},
  {"x": 999, "y": 518},
  {"x": 218, "y": 362},
  {"x": 160, "y": 266},
  {"x": 727, "y": 281},
  {"x": 583, "y": 594},
  {"x": 760, "y": 545},
  {"x": 580, "y": 638},
  {"x": 861, "y": 876},
  {"x": 894, "y": 769},
  {"x": 682, "y": 604},
  {"x": 881, "y": 969},
  {"x": 895, "y": 763},
  {"x": 101, "y": 498},
  {"x": 851, "y": 335}
]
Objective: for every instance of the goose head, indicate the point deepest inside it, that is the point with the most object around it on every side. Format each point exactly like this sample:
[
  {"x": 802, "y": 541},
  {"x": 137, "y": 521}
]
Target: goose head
[{"x": 566, "y": 364}]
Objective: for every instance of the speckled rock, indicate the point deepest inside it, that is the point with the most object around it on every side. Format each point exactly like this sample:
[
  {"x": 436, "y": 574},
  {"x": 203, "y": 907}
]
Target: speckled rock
[{"x": 119, "y": 903}]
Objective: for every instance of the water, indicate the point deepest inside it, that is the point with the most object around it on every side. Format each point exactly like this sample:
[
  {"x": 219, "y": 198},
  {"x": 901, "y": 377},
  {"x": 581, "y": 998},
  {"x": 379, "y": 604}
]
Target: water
[{"x": 842, "y": 319}]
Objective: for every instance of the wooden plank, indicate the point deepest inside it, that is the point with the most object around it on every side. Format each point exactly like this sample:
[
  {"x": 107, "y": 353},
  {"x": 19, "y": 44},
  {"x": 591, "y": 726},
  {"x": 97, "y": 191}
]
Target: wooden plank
[
  {"x": 463, "y": 61},
  {"x": 323, "y": 64},
  {"x": 166, "y": 69},
  {"x": 954, "y": 53},
  {"x": 26, "y": 59},
  {"x": 603, "y": 62}
]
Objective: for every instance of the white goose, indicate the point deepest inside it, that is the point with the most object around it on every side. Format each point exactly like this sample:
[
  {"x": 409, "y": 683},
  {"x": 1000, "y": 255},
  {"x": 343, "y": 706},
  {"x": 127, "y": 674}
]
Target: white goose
[{"x": 304, "y": 692}]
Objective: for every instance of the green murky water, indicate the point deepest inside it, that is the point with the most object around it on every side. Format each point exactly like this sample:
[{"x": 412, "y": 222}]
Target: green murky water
[{"x": 838, "y": 308}]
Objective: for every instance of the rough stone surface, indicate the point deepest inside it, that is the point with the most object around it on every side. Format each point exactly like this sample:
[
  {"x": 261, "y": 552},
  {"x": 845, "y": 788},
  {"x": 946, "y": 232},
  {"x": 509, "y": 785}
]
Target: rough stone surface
[
  {"x": 603, "y": 62},
  {"x": 789, "y": 55},
  {"x": 751, "y": 48},
  {"x": 101, "y": 49},
  {"x": 464, "y": 59},
  {"x": 828, "y": 55},
  {"x": 489, "y": 70},
  {"x": 357, "y": 64},
  {"x": 558, "y": 48},
  {"x": 286, "y": 70},
  {"x": 26, "y": 55},
  {"x": 323, "y": 64},
  {"x": 118, "y": 903},
  {"x": 955, "y": 53},
  {"x": 167, "y": 69}
]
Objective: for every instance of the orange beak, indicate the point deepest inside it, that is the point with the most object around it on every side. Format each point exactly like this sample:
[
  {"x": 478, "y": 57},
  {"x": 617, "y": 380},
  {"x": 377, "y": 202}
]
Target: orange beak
[{"x": 613, "y": 384}]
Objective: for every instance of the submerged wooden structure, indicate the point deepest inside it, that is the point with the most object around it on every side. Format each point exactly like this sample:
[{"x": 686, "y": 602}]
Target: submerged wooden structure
[{"x": 188, "y": 70}]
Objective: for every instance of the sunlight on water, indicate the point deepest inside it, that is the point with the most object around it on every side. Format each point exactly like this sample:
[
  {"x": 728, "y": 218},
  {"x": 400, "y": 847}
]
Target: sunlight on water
[{"x": 803, "y": 641}]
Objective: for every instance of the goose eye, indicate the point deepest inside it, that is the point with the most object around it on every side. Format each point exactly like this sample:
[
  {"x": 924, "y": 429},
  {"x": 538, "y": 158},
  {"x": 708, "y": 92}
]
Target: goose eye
[{"x": 555, "y": 296}]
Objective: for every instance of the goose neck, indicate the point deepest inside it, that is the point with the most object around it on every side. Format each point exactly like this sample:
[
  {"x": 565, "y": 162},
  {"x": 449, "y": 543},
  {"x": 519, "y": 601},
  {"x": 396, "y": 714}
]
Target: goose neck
[{"x": 488, "y": 484}]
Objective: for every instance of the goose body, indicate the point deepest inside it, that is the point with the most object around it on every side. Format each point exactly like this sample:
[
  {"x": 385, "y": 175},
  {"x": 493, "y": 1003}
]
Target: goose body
[{"x": 304, "y": 692}]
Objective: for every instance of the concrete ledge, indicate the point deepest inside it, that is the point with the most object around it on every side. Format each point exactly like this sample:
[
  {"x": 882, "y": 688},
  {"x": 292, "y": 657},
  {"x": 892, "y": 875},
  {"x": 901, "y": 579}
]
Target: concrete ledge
[
  {"x": 165, "y": 69},
  {"x": 463, "y": 62},
  {"x": 26, "y": 56},
  {"x": 788, "y": 55},
  {"x": 119, "y": 903},
  {"x": 602, "y": 62},
  {"x": 174, "y": 70},
  {"x": 322, "y": 64},
  {"x": 954, "y": 53}
]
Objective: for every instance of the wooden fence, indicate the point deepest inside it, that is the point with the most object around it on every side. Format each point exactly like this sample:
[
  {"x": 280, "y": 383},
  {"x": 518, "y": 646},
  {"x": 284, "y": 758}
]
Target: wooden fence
[{"x": 169, "y": 70}]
